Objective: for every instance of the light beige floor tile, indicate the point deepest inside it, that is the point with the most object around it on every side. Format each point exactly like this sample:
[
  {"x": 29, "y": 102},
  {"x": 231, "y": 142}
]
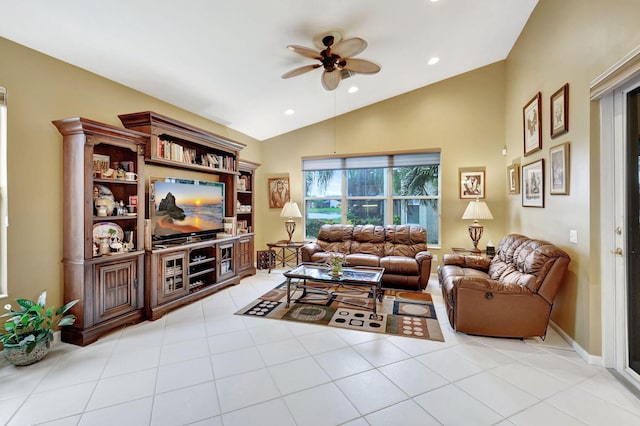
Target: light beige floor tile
[
  {"x": 407, "y": 413},
  {"x": 413, "y": 377},
  {"x": 499, "y": 395},
  {"x": 380, "y": 352},
  {"x": 370, "y": 391},
  {"x": 449, "y": 364},
  {"x": 183, "y": 374},
  {"x": 237, "y": 361},
  {"x": 43, "y": 406},
  {"x": 243, "y": 390},
  {"x": 126, "y": 387},
  {"x": 298, "y": 375},
  {"x": 135, "y": 412},
  {"x": 282, "y": 351},
  {"x": 452, "y": 406},
  {"x": 544, "y": 414},
  {"x": 196, "y": 402},
  {"x": 592, "y": 410},
  {"x": 320, "y": 406},
  {"x": 342, "y": 363},
  {"x": 270, "y": 413}
]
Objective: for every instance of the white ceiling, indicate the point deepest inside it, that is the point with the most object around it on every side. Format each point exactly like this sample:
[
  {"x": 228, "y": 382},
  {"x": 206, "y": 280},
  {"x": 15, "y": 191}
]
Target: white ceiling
[{"x": 223, "y": 59}]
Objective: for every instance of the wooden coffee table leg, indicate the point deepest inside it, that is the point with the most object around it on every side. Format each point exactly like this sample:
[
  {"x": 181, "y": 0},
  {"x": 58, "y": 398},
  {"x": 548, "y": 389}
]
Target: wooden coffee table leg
[{"x": 288, "y": 291}]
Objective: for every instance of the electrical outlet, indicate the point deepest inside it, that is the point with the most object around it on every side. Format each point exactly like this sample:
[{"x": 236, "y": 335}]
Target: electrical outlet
[
  {"x": 434, "y": 257},
  {"x": 573, "y": 236}
]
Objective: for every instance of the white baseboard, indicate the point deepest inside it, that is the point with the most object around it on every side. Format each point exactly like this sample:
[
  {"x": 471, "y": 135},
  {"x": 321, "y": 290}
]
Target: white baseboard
[{"x": 590, "y": 359}]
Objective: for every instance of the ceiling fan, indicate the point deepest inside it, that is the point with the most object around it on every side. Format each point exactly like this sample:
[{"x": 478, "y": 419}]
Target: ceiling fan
[{"x": 336, "y": 58}]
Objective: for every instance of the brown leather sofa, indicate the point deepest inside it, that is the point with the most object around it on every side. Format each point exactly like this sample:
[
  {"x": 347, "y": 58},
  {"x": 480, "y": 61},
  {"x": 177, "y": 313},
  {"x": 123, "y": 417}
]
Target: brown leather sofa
[
  {"x": 400, "y": 249},
  {"x": 508, "y": 296}
]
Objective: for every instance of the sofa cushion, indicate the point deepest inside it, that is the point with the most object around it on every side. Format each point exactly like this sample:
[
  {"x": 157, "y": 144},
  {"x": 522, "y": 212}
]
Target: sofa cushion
[
  {"x": 362, "y": 259},
  {"x": 335, "y": 233},
  {"x": 368, "y": 239},
  {"x": 524, "y": 261},
  {"x": 399, "y": 265},
  {"x": 404, "y": 240}
]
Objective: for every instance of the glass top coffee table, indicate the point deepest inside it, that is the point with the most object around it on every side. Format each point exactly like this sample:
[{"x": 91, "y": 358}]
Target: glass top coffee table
[{"x": 360, "y": 276}]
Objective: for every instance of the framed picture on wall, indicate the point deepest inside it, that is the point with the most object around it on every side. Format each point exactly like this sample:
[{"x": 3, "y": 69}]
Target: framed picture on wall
[
  {"x": 531, "y": 124},
  {"x": 471, "y": 183},
  {"x": 513, "y": 178},
  {"x": 559, "y": 169},
  {"x": 278, "y": 192},
  {"x": 559, "y": 111},
  {"x": 533, "y": 184}
]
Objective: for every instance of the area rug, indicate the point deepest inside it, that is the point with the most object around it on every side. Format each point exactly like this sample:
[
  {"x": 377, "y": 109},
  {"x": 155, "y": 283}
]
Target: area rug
[{"x": 401, "y": 312}]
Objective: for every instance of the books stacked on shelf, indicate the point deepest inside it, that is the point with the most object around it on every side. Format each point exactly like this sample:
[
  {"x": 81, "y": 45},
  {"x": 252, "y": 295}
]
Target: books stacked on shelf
[
  {"x": 173, "y": 151},
  {"x": 218, "y": 161}
]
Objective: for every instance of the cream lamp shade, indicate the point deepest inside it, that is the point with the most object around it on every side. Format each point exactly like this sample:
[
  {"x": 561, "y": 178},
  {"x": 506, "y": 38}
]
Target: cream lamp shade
[
  {"x": 291, "y": 211},
  {"x": 476, "y": 210}
]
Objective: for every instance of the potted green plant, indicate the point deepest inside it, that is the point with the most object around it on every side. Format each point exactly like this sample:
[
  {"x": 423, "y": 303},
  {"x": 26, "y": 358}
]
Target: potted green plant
[{"x": 27, "y": 334}]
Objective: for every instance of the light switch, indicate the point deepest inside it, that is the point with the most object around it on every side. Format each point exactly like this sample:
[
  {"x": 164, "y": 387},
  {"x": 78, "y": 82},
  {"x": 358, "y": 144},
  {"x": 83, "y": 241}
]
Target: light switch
[{"x": 573, "y": 236}]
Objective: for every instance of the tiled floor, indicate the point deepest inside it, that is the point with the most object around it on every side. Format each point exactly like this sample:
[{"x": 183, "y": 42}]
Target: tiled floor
[{"x": 203, "y": 365}]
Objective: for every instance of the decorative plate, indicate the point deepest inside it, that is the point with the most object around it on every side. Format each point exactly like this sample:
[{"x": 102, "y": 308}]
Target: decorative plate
[
  {"x": 101, "y": 230},
  {"x": 103, "y": 196}
]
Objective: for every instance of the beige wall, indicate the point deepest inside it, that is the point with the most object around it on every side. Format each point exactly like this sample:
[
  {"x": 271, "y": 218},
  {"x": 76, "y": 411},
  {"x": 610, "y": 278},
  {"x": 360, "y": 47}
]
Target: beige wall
[
  {"x": 42, "y": 89},
  {"x": 568, "y": 41},
  {"x": 461, "y": 116},
  {"x": 469, "y": 117}
]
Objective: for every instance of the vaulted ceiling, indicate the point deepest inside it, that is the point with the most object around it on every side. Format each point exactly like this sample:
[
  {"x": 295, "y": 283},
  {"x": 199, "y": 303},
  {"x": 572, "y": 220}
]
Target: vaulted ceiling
[{"x": 223, "y": 60}]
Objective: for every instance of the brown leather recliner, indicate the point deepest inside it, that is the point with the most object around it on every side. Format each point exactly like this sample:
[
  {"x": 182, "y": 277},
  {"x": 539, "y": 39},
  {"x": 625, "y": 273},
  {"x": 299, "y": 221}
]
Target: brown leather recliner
[
  {"x": 400, "y": 249},
  {"x": 508, "y": 296}
]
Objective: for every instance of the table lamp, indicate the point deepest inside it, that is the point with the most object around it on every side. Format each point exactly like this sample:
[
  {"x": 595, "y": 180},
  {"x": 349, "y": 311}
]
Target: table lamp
[
  {"x": 476, "y": 210},
  {"x": 290, "y": 210}
]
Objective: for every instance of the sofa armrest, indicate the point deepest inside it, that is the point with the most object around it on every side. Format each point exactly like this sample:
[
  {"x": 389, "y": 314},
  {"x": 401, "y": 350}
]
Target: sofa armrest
[
  {"x": 480, "y": 263},
  {"x": 308, "y": 250},
  {"x": 421, "y": 256}
]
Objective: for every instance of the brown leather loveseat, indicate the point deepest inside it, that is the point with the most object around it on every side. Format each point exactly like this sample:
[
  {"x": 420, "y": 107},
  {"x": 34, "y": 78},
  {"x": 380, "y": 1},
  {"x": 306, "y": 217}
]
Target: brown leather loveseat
[
  {"x": 508, "y": 296},
  {"x": 400, "y": 249}
]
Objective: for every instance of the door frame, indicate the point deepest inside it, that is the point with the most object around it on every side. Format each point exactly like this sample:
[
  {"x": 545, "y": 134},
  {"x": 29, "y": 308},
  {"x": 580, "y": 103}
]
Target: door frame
[{"x": 610, "y": 89}]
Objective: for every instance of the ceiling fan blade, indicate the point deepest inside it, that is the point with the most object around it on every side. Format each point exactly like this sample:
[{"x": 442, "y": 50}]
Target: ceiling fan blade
[
  {"x": 349, "y": 47},
  {"x": 360, "y": 66},
  {"x": 305, "y": 51},
  {"x": 331, "y": 79},
  {"x": 300, "y": 70}
]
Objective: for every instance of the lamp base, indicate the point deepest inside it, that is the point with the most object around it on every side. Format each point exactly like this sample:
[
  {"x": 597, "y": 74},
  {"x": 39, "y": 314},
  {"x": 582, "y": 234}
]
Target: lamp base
[
  {"x": 475, "y": 232},
  {"x": 290, "y": 226}
]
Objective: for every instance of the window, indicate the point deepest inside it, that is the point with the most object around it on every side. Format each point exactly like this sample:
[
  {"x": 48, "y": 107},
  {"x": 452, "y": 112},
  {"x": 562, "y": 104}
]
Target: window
[
  {"x": 3, "y": 193},
  {"x": 380, "y": 190}
]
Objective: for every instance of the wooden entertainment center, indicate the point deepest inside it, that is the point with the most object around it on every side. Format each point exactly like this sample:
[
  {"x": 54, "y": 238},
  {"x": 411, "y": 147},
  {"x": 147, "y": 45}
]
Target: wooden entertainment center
[{"x": 118, "y": 281}]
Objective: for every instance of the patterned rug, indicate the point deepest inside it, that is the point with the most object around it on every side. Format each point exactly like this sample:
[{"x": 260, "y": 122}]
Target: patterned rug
[{"x": 401, "y": 312}]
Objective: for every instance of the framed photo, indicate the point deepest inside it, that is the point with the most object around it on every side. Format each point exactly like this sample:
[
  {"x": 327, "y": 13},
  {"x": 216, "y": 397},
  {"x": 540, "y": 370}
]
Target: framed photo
[
  {"x": 559, "y": 169},
  {"x": 531, "y": 123},
  {"x": 471, "y": 183},
  {"x": 560, "y": 111},
  {"x": 513, "y": 178},
  {"x": 101, "y": 163},
  {"x": 278, "y": 192},
  {"x": 533, "y": 184}
]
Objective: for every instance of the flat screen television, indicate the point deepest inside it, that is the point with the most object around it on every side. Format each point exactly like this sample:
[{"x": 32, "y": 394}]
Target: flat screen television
[{"x": 181, "y": 208}]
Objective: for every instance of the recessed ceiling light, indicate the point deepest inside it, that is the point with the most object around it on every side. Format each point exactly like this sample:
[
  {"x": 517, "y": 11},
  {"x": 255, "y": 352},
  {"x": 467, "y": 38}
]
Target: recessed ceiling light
[
  {"x": 434, "y": 60},
  {"x": 289, "y": 112},
  {"x": 353, "y": 89}
]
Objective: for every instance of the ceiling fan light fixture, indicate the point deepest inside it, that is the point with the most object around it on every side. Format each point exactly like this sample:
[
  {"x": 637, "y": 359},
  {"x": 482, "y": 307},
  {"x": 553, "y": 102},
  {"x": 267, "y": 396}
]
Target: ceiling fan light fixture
[{"x": 336, "y": 59}]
